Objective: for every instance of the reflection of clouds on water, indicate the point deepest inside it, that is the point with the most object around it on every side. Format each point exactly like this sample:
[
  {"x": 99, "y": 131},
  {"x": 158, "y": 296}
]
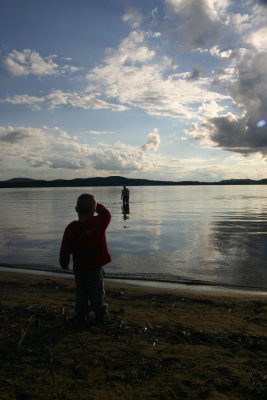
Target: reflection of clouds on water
[
  {"x": 145, "y": 225},
  {"x": 186, "y": 235},
  {"x": 242, "y": 243},
  {"x": 215, "y": 234},
  {"x": 30, "y": 226}
]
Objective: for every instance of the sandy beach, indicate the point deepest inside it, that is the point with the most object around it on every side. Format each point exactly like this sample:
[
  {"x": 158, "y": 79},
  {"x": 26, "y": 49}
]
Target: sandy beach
[{"x": 159, "y": 343}]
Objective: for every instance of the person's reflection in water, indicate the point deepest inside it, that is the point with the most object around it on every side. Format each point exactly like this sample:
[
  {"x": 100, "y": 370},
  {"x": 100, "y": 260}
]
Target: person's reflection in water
[{"x": 125, "y": 211}]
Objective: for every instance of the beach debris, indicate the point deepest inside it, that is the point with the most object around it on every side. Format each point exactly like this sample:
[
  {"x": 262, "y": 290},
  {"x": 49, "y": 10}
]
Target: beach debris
[
  {"x": 51, "y": 366},
  {"x": 143, "y": 330},
  {"x": 149, "y": 324},
  {"x": 23, "y": 334}
]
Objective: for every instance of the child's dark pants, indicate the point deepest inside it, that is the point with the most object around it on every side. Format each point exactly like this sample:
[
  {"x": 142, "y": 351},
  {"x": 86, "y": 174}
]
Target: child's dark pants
[{"x": 90, "y": 293}]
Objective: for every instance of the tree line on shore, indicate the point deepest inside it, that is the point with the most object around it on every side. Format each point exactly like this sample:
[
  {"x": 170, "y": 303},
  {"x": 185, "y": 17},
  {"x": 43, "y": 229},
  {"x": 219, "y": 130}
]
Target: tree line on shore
[{"x": 116, "y": 181}]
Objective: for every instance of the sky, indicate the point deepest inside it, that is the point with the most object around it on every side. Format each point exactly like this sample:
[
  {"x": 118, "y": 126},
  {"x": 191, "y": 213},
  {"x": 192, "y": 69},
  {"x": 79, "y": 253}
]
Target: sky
[{"x": 156, "y": 89}]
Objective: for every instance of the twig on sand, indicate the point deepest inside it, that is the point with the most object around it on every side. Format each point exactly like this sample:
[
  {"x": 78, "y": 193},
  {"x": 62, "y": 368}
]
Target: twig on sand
[{"x": 23, "y": 334}]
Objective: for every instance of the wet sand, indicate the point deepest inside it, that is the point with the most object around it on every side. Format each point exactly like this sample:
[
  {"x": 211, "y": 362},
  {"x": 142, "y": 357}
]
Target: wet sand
[{"x": 159, "y": 343}]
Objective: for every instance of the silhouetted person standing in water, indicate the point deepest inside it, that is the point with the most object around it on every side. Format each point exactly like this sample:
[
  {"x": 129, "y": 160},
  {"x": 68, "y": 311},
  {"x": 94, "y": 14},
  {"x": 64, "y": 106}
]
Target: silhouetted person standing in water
[{"x": 125, "y": 194}]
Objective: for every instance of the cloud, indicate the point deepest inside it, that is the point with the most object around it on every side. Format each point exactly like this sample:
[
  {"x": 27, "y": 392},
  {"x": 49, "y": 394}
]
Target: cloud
[
  {"x": 58, "y": 98},
  {"x": 131, "y": 49},
  {"x": 257, "y": 39},
  {"x": 98, "y": 133},
  {"x": 56, "y": 163},
  {"x": 117, "y": 160},
  {"x": 123, "y": 158},
  {"x": 197, "y": 23},
  {"x": 14, "y": 135},
  {"x": 131, "y": 78},
  {"x": 53, "y": 148},
  {"x": 40, "y": 147},
  {"x": 130, "y": 75},
  {"x": 250, "y": 88},
  {"x": 262, "y": 2},
  {"x": 34, "y": 102},
  {"x": 241, "y": 132},
  {"x": 29, "y": 62},
  {"x": 236, "y": 134},
  {"x": 133, "y": 16},
  {"x": 153, "y": 141}
]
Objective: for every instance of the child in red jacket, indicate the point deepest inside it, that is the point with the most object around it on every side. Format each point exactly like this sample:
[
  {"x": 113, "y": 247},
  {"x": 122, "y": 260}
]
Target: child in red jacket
[{"x": 85, "y": 239}]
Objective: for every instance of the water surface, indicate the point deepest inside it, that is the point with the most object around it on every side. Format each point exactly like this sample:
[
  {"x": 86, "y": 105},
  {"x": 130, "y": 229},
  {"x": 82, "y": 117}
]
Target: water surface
[{"x": 214, "y": 234}]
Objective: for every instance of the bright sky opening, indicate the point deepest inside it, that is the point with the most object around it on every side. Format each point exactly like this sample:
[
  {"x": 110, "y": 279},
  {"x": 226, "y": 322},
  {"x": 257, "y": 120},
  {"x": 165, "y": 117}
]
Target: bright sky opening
[{"x": 156, "y": 89}]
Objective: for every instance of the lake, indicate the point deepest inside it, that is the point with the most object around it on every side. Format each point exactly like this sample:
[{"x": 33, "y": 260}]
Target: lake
[{"x": 199, "y": 234}]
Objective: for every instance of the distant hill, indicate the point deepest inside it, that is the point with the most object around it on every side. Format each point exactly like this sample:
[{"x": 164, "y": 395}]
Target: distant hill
[
  {"x": 108, "y": 181},
  {"x": 116, "y": 181}
]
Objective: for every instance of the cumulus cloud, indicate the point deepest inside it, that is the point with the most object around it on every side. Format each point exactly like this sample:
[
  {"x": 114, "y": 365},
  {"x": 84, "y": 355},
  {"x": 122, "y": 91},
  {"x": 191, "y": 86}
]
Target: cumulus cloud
[
  {"x": 249, "y": 89},
  {"x": 131, "y": 49},
  {"x": 257, "y": 39},
  {"x": 30, "y": 62},
  {"x": 52, "y": 148},
  {"x": 197, "y": 23},
  {"x": 237, "y": 134},
  {"x": 117, "y": 160},
  {"x": 126, "y": 158},
  {"x": 40, "y": 147},
  {"x": 153, "y": 141},
  {"x": 241, "y": 133}
]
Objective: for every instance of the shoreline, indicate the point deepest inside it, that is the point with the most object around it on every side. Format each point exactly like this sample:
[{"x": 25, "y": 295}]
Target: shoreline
[
  {"x": 159, "y": 343},
  {"x": 190, "y": 287}
]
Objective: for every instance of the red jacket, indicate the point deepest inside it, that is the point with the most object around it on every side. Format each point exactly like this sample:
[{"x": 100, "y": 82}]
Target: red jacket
[{"x": 86, "y": 241}]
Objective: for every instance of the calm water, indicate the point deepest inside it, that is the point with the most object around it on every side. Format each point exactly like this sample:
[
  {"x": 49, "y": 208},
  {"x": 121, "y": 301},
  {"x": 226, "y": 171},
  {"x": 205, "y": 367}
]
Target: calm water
[{"x": 215, "y": 234}]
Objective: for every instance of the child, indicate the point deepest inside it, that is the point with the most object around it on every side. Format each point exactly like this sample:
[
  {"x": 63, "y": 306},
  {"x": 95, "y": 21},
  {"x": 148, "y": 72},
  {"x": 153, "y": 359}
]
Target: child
[{"x": 85, "y": 239}]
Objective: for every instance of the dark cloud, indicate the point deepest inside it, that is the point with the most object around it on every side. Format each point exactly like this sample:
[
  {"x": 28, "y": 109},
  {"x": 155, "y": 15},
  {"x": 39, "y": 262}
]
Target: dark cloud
[
  {"x": 13, "y": 136},
  {"x": 238, "y": 135},
  {"x": 262, "y": 2},
  {"x": 246, "y": 133},
  {"x": 194, "y": 23},
  {"x": 250, "y": 89},
  {"x": 194, "y": 75}
]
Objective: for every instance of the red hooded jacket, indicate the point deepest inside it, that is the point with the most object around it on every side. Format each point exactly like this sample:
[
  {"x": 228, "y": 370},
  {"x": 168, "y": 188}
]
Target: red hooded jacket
[{"x": 86, "y": 241}]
